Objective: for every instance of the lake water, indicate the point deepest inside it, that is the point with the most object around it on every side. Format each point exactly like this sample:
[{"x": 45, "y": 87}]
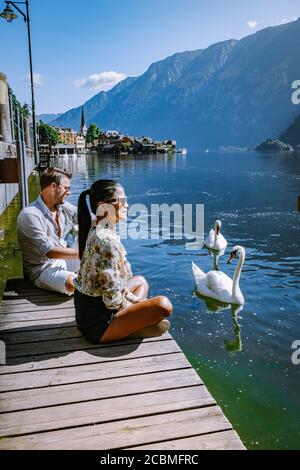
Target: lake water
[{"x": 244, "y": 357}]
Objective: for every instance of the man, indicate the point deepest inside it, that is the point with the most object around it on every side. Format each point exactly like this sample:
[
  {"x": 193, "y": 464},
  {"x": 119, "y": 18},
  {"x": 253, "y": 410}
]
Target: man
[{"x": 43, "y": 227}]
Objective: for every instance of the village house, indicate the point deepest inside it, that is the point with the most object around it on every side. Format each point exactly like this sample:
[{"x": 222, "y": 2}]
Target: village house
[
  {"x": 67, "y": 135},
  {"x": 80, "y": 142},
  {"x": 126, "y": 140}
]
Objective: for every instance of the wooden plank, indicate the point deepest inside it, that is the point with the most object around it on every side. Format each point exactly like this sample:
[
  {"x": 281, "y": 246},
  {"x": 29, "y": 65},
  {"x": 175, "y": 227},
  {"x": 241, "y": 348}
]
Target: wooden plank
[
  {"x": 28, "y": 293},
  {"x": 17, "y": 282},
  {"x": 99, "y": 411},
  {"x": 20, "y": 302},
  {"x": 19, "y": 290},
  {"x": 39, "y": 305},
  {"x": 104, "y": 353},
  {"x": 47, "y": 347},
  {"x": 53, "y": 334},
  {"x": 54, "y": 346},
  {"x": 18, "y": 299},
  {"x": 225, "y": 440},
  {"x": 37, "y": 315},
  {"x": 98, "y": 389},
  {"x": 126, "y": 433},
  {"x": 90, "y": 372},
  {"x": 35, "y": 325}
]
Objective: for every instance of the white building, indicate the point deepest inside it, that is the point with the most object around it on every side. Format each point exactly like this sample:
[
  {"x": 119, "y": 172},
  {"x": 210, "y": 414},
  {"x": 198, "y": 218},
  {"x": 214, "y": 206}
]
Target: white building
[{"x": 80, "y": 142}]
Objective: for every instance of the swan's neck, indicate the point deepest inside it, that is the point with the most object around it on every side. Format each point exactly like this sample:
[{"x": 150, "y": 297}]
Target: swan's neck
[
  {"x": 237, "y": 275},
  {"x": 216, "y": 262},
  {"x": 217, "y": 231}
]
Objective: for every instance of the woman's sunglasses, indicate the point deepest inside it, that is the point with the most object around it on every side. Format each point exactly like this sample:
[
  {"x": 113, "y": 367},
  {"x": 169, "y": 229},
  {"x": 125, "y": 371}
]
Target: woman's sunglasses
[{"x": 119, "y": 200}]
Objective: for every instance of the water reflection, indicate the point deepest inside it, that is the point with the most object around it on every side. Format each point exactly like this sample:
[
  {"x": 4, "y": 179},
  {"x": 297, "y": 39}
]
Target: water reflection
[
  {"x": 236, "y": 344},
  {"x": 94, "y": 167},
  {"x": 216, "y": 255},
  {"x": 214, "y": 306},
  {"x": 75, "y": 165}
]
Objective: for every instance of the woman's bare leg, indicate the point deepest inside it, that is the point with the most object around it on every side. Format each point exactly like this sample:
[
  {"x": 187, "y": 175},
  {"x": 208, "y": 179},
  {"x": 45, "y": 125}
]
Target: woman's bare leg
[
  {"x": 138, "y": 286},
  {"x": 136, "y": 317}
]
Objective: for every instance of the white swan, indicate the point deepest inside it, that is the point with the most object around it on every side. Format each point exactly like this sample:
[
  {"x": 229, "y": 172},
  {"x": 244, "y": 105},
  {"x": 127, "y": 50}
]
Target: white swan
[
  {"x": 215, "y": 240},
  {"x": 217, "y": 285}
]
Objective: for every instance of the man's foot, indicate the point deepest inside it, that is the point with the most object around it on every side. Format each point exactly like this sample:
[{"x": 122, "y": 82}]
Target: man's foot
[{"x": 153, "y": 330}]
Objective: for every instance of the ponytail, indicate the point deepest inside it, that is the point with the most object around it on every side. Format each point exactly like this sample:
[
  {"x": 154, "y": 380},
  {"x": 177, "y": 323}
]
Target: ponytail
[{"x": 84, "y": 221}]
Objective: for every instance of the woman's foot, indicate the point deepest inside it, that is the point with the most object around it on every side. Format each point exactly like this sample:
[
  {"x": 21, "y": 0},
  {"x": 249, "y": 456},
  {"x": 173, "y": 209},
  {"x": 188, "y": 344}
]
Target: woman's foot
[{"x": 152, "y": 330}]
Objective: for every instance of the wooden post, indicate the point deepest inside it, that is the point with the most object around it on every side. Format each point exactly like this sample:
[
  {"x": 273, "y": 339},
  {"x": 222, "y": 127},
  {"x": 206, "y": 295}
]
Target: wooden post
[{"x": 21, "y": 155}]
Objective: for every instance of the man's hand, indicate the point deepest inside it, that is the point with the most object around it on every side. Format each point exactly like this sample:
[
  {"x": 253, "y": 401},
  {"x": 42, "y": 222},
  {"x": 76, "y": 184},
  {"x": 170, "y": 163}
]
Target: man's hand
[{"x": 59, "y": 252}]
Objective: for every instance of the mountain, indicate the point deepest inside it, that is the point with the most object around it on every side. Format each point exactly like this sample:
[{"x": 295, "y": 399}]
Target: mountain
[
  {"x": 46, "y": 118},
  {"x": 274, "y": 145},
  {"x": 292, "y": 134},
  {"x": 98, "y": 102},
  {"x": 232, "y": 93}
]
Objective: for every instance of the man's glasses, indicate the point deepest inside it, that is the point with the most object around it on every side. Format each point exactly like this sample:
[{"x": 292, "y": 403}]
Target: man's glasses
[{"x": 66, "y": 188}]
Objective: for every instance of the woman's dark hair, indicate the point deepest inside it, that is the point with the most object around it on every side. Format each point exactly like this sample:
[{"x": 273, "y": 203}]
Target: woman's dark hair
[{"x": 101, "y": 190}]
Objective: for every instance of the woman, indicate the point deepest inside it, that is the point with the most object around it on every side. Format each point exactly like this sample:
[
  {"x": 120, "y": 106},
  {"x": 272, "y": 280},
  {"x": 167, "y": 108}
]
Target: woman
[{"x": 110, "y": 303}]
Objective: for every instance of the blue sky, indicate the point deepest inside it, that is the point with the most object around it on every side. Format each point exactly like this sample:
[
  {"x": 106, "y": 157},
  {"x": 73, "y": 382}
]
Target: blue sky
[{"x": 75, "y": 42}]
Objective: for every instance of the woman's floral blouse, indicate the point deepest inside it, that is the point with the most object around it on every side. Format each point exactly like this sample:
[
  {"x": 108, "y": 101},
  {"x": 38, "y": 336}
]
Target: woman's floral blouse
[{"x": 104, "y": 270}]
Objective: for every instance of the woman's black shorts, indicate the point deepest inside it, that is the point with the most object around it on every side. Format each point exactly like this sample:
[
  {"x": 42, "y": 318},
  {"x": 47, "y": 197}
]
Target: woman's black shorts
[{"x": 92, "y": 316}]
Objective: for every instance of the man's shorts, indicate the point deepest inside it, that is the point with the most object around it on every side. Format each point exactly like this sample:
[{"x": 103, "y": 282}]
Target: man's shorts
[{"x": 54, "y": 276}]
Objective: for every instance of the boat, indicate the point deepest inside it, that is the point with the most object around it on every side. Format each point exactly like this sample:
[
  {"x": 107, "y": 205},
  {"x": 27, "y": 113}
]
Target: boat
[{"x": 182, "y": 151}]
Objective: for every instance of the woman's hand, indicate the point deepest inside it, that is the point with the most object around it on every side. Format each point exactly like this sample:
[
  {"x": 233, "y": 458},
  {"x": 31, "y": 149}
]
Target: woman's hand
[{"x": 138, "y": 286}]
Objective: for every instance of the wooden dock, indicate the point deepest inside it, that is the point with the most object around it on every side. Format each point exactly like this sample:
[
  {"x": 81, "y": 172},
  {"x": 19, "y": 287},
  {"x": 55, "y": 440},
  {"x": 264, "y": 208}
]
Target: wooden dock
[{"x": 59, "y": 392}]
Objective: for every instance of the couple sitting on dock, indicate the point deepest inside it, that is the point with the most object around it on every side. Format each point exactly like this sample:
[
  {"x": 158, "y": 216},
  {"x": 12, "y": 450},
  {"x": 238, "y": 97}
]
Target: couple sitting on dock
[{"x": 110, "y": 302}]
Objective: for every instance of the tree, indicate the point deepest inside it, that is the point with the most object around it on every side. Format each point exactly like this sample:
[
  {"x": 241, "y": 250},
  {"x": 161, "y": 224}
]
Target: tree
[
  {"x": 92, "y": 133},
  {"x": 47, "y": 134}
]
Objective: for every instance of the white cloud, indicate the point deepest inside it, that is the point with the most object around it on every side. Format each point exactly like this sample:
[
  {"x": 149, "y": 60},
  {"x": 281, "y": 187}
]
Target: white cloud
[
  {"x": 252, "y": 24},
  {"x": 102, "y": 81},
  {"x": 38, "y": 79}
]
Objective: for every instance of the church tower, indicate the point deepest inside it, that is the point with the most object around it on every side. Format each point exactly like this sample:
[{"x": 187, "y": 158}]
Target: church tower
[{"x": 83, "y": 128}]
